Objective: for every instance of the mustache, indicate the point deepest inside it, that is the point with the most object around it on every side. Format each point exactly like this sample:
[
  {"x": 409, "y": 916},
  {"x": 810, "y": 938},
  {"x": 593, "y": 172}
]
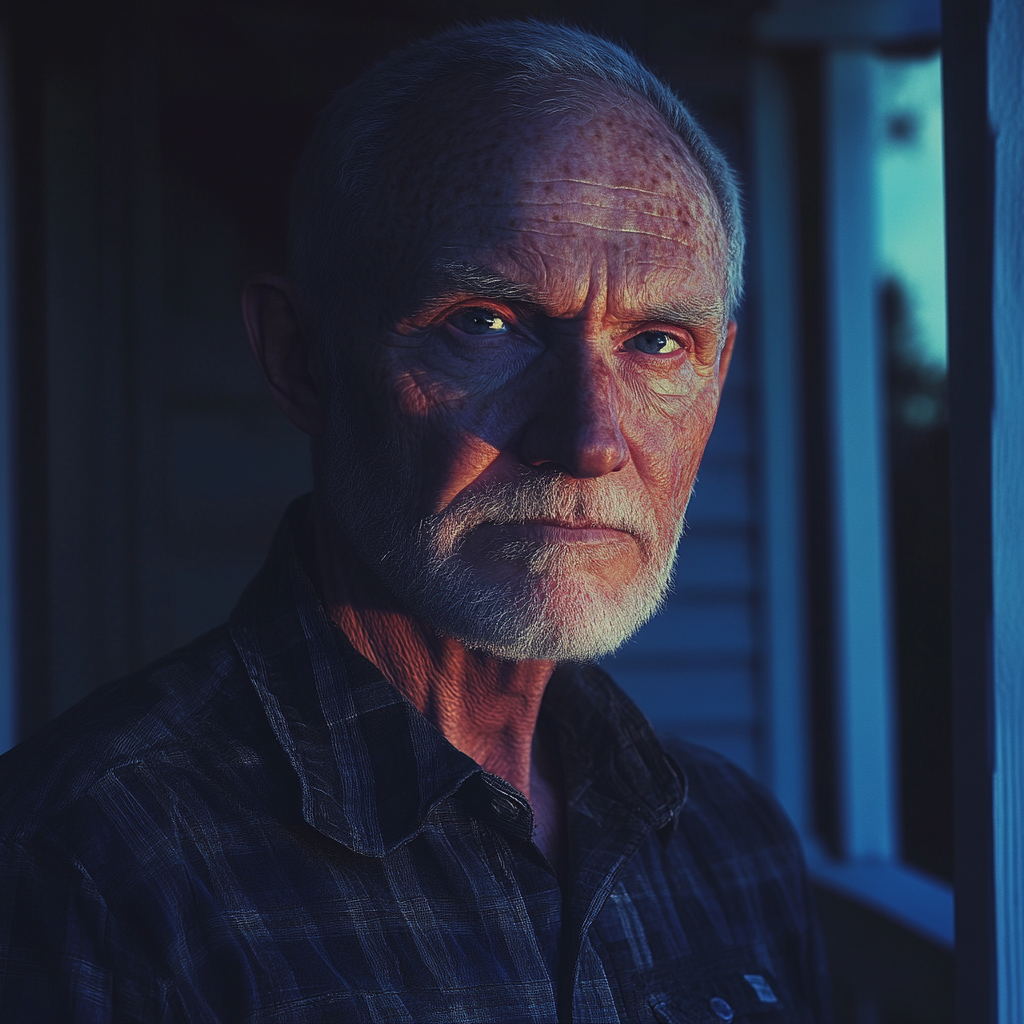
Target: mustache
[{"x": 552, "y": 497}]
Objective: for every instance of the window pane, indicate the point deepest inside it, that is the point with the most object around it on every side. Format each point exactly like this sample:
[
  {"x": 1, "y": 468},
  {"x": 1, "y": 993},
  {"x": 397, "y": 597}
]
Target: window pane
[{"x": 913, "y": 317}]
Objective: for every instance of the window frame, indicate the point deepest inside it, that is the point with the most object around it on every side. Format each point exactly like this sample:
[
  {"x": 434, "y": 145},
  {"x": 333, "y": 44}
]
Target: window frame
[{"x": 866, "y": 864}]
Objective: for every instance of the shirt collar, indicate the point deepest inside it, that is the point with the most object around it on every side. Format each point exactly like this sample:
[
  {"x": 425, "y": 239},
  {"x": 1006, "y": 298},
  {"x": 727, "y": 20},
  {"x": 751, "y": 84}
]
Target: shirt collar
[
  {"x": 370, "y": 767},
  {"x": 610, "y": 750}
]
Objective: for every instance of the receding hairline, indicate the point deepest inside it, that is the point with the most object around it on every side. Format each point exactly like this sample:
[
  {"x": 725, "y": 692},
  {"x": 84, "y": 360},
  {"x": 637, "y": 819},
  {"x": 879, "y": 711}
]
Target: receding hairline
[
  {"x": 543, "y": 69},
  {"x": 537, "y": 120}
]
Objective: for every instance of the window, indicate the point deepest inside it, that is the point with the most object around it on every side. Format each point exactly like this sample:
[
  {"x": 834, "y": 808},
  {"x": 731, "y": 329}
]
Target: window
[
  {"x": 911, "y": 289},
  {"x": 849, "y": 251}
]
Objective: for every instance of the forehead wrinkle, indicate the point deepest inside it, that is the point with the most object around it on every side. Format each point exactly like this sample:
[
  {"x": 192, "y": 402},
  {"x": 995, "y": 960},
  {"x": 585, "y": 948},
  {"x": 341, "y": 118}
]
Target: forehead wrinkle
[
  {"x": 525, "y": 204},
  {"x": 594, "y": 184},
  {"x": 568, "y": 206},
  {"x": 596, "y": 227},
  {"x": 517, "y": 187},
  {"x": 582, "y": 202},
  {"x": 521, "y": 202}
]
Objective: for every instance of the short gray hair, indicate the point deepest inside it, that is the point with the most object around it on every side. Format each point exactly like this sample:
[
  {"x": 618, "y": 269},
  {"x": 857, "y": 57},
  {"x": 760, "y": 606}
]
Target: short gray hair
[{"x": 335, "y": 182}]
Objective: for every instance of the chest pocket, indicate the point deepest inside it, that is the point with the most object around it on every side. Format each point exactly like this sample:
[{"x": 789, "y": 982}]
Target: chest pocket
[{"x": 730, "y": 994}]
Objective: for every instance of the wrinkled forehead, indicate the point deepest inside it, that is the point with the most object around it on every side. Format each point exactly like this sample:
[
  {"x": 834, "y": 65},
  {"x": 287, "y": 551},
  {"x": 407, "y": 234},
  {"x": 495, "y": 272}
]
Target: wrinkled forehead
[
  {"x": 477, "y": 171},
  {"x": 620, "y": 155}
]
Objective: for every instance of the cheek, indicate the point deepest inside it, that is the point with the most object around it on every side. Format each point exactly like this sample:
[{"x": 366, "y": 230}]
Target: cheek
[
  {"x": 667, "y": 436},
  {"x": 492, "y": 402},
  {"x": 440, "y": 371},
  {"x": 448, "y": 434},
  {"x": 390, "y": 416},
  {"x": 427, "y": 459},
  {"x": 419, "y": 395}
]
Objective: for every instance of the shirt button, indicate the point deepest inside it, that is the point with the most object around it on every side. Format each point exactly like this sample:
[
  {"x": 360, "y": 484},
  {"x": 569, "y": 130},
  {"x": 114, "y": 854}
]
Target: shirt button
[
  {"x": 722, "y": 1009},
  {"x": 504, "y": 806}
]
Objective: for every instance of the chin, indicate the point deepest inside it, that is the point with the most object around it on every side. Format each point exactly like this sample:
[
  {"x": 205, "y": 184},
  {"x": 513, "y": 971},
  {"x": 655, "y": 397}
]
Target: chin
[
  {"x": 514, "y": 594},
  {"x": 560, "y": 615}
]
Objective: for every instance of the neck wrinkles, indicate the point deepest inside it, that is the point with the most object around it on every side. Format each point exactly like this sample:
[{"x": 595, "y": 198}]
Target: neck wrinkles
[{"x": 484, "y": 706}]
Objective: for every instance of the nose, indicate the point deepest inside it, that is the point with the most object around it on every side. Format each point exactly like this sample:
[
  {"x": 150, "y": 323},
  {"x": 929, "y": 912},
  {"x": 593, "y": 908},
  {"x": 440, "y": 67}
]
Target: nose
[{"x": 576, "y": 427}]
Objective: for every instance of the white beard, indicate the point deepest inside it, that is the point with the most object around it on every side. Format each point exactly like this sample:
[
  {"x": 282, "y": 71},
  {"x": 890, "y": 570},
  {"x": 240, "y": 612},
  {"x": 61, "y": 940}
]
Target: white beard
[{"x": 551, "y": 606}]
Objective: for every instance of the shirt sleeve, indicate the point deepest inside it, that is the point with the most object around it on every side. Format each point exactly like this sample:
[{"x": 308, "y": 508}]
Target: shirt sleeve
[{"x": 62, "y": 957}]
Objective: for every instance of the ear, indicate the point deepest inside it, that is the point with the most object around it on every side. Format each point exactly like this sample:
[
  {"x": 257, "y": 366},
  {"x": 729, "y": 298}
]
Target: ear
[
  {"x": 284, "y": 352},
  {"x": 726, "y": 357}
]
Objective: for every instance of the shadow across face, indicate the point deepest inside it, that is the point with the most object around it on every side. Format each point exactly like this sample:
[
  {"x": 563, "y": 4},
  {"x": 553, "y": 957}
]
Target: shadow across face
[{"x": 513, "y": 451}]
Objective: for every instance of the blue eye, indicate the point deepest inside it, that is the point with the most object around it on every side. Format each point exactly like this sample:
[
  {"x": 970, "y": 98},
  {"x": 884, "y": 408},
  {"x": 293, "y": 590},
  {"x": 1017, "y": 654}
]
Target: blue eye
[
  {"x": 479, "y": 322},
  {"x": 656, "y": 343}
]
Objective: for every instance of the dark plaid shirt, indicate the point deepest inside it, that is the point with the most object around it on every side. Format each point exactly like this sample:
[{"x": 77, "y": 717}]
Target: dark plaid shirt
[{"x": 260, "y": 828}]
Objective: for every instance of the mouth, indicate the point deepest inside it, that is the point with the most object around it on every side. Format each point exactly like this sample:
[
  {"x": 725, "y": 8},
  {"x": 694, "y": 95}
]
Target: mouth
[{"x": 556, "y": 531}]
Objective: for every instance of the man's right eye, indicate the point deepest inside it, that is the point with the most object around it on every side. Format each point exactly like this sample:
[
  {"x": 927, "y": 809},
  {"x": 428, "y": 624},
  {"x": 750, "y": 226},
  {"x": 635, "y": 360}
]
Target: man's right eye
[{"x": 479, "y": 322}]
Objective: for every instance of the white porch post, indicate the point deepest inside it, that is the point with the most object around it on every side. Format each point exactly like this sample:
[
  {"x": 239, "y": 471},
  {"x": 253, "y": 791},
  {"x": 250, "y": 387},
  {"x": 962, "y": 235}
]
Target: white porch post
[
  {"x": 1006, "y": 114},
  {"x": 863, "y": 659}
]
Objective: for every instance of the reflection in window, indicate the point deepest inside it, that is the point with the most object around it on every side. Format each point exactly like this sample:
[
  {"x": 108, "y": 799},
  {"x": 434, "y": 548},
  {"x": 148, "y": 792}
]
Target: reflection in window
[{"x": 913, "y": 317}]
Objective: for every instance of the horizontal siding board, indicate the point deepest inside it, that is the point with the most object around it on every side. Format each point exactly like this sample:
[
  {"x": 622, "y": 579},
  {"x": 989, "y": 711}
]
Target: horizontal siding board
[
  {"x": 731, "y": 436},
  {"x": 722, "y": 494},
  {"x": 708, "y": 696},
  {"x": 714, "y": 563},
  {"x": 686, "y": 627}
]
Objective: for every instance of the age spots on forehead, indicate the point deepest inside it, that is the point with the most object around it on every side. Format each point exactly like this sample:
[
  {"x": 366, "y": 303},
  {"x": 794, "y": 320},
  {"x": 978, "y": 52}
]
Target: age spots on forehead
[{"x": 454, "y": 182}]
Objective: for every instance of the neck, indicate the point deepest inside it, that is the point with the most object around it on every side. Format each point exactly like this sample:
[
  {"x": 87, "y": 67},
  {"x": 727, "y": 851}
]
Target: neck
[{"x": 484, "y": 706}]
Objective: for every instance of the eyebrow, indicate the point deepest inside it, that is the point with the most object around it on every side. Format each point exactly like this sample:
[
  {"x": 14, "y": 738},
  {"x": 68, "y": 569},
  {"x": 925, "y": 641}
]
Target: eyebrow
[
  {"x": 687, "y": 311},
  {"x": 462, "y": 278},
  {"x": 455, "y": 278}
]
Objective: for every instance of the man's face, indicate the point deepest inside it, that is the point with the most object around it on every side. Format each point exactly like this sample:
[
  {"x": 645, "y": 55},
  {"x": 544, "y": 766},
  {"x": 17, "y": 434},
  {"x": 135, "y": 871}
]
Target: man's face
[{"x": 514, "y": 452}]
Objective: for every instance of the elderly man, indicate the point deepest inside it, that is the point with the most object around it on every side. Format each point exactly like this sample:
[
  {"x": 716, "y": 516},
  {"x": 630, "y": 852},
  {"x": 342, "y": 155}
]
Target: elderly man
[{"x": 395, "y": 787}]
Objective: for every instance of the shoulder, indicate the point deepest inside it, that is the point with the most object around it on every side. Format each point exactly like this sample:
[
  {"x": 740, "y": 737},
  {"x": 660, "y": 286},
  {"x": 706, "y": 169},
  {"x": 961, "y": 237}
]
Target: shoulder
[
  {"x": 713, "y": 779},
  {"x": 732, "y": 815},
  {"x": 161, "y": 716}
]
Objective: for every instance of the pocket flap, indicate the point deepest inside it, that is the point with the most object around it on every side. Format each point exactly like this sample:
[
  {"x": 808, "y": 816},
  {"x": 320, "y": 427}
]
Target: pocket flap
[{"x": 725, "y": 994}]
